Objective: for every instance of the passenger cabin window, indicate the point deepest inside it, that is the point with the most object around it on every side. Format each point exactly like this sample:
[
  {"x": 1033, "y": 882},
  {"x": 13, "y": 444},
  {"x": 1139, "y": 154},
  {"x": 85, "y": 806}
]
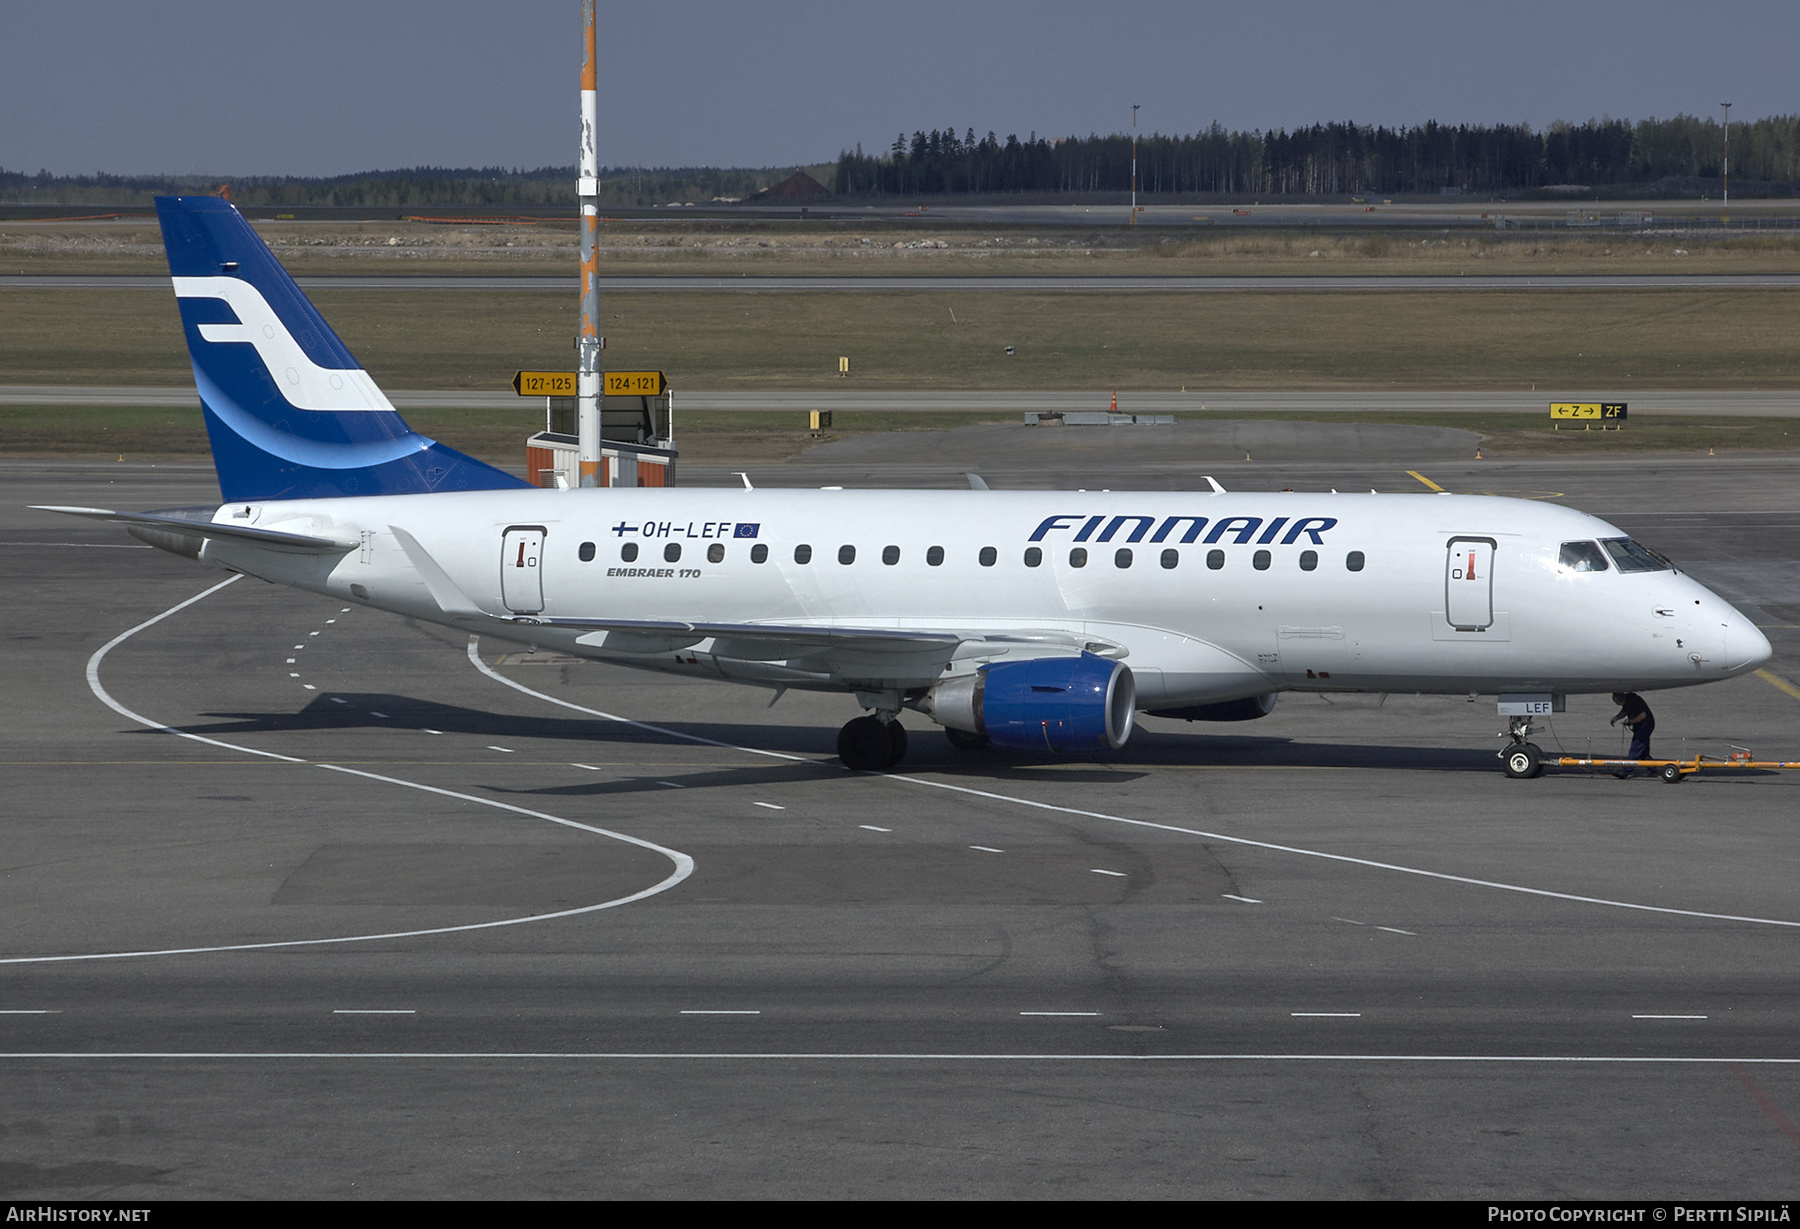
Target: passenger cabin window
[
  {"x": 628, "y": 552},
  {"x": 1171, "y": 559},
  {"x": 1354, "y": 561},
  {"x": 988, "y": 557},
  {"x": 1215, "y": 559},
  {"x": 934, "y": 556},
  {"x": 803, "y": 553},
  {"x": 759, "y": 553},
  {"x": 1033, "y": 556},
  {"x": 1632, "y": 556},
  {"x": 1078, "y": 557},
  {"x": 1309, "y": 559},
  {"x": 846, "y": 554},
  {"x": 715, "y": 553},
  {"x": 587, "y": 552},
  {"x": 890, "y": 555},
  {"x": 672, "y": 553},
  {"x": 1122, "y": 557},
  {"x": 1260, "y": 561},
  {"x": 1582, "y": 557}
]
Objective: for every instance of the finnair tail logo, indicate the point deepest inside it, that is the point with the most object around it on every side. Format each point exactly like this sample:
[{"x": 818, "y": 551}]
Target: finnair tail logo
[{"x": 303, "y": 383}]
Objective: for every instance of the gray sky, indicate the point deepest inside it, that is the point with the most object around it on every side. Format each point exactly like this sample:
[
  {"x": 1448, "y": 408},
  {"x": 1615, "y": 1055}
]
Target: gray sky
[{"x": 331, "y": 86}]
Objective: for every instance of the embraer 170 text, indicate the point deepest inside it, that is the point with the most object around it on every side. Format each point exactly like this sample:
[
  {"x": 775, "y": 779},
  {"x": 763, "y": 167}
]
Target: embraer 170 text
[{"x": 1028, "y": 620}]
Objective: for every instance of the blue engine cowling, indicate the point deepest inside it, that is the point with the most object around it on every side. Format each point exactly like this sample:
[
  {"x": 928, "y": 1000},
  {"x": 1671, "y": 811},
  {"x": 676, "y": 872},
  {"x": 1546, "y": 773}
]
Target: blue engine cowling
[{"x": 1080, "y": 703}]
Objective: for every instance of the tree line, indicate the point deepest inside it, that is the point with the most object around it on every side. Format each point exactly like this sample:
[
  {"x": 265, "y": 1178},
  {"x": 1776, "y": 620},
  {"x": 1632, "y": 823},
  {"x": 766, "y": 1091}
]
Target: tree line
[
  {"x": 416, "y": 187},
  {"x": 1335, "y": 159}
]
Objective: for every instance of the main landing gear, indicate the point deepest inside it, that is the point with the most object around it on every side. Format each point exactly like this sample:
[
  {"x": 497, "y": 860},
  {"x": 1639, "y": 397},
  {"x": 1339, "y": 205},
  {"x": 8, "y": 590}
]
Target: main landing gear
[
  {"x": 870, "y": 744},
  {"x": 1522, "y": 760}
]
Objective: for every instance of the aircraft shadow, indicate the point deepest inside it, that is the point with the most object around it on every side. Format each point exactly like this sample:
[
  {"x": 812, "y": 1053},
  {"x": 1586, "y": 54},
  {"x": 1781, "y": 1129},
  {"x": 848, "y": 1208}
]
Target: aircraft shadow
[{"x": 928, "y": 751}]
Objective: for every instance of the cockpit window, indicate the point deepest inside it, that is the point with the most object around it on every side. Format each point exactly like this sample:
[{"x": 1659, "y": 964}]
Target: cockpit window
[
  {"x": 1635, "y": 557},
  {"x": 1582, "y": 557}
]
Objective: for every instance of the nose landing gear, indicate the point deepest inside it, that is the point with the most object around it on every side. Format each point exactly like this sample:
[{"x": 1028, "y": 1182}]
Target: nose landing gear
[{"x": 1522, "y": 760}]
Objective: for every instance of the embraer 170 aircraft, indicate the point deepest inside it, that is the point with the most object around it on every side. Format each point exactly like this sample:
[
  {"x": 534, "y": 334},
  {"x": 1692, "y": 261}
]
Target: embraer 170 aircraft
[{"x": 1018, "y": 619}]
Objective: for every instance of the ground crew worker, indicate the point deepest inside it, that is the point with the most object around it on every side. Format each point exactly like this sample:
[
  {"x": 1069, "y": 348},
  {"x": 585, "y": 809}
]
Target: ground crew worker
[{"x": 1638, "y": 718}]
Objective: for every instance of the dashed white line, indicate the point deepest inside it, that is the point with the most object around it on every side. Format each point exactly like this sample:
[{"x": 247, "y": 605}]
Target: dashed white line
[
  {"x": 293, "y": 674},
  {"x": 328, "y": 621},
  {"x": 312, "y": 633},
  {"x": 1669, "y": 1017},
  {"x": 431, "y": 731},
  {"x": 508, "y": 750},
  {"x": 771, "y": 806},
  {"x": 672, "y": 784},
  {"x": 1059, "y": 1013},
  {"x": 336, "y": 700},
  {"x": 987, "y": 849},
  {"x": 308, "y": 686},
  {"x": 589, "y": 767},
  {"x": 1350, "y": 920},
  {"x": 717, "y": 1012},
  {"x": 290, "y": 661},
  {"x": 374, "y": 1011},
  {"x": 873, "y": 828},
  {"x": 29, "y": 1011},
  {"x": 1395, "y": 930},
  {"x": 1326, "y": 1015},
  {"x": 1117, "y": 874},
  {"x": 1246, "y": 899}
]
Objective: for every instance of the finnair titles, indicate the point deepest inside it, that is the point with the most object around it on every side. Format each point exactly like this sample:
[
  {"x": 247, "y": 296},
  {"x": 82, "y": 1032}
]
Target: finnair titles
[{"x": 1029, "y": 620}]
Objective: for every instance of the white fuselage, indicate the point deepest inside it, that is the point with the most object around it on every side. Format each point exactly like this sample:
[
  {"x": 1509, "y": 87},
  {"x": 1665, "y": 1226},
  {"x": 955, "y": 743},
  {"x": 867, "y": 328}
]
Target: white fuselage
[{"x": 1281, "y": 605}]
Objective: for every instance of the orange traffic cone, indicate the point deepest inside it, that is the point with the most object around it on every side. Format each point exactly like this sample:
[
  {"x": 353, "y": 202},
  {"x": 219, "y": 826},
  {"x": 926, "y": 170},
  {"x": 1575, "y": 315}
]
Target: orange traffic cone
[{"x": 1115, "y": 401}]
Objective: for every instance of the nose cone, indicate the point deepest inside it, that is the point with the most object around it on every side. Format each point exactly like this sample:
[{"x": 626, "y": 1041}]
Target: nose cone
[{"x": 1746, "y": 647}]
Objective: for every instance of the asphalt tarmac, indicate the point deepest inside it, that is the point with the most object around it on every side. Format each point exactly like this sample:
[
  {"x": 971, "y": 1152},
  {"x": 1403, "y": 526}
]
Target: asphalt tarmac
[{"x": 304, "y": 901}]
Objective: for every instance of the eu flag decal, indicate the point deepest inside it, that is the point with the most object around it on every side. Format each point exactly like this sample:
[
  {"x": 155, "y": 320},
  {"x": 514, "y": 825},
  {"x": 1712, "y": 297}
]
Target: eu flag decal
[{"x": 746, "y": 530}]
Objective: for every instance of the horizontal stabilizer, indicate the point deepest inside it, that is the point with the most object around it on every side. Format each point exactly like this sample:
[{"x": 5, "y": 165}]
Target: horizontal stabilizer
[{"x": 295, "y": 542}]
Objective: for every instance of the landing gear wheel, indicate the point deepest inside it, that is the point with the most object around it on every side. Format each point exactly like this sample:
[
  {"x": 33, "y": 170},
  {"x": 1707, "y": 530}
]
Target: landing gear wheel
[
  {"x": 965, "y": 740},
  {"x": 1671, "y": 774},
  {"x": 865, "y": 744},
  {"x": 896, "y": 742},
  {"x": 1524, "y": 761}
]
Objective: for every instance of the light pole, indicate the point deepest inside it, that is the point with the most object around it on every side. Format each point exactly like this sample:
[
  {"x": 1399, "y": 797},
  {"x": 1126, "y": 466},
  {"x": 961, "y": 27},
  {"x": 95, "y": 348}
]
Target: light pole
[
  {"x": 1727, "y": 174},
  {"x": 1134, "y": 111}
]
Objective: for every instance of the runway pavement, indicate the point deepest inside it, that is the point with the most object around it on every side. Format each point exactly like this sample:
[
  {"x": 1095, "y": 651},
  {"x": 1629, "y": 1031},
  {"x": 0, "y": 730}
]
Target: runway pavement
[
  {"x": 922, "y": 282},
  {"x": 1776, "y": 403},
  {"x": 462, "y": 922}
]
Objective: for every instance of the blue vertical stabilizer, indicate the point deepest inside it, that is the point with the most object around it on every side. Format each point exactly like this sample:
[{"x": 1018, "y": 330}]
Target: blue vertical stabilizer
[{"x": 290, "y": 413}]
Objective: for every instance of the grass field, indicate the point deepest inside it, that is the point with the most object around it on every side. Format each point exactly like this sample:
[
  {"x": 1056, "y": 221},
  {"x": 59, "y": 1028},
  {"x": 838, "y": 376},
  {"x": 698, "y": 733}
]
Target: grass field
[
  {"x": 1277, "y": 340},
  {"x": 886, "y": 247}
]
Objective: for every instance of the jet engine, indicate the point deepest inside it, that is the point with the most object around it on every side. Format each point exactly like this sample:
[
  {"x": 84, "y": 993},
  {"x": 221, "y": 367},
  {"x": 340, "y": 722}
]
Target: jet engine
[{"x": 1045, "y": 704}]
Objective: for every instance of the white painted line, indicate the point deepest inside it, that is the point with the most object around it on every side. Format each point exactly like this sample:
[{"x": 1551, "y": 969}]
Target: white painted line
[
  {"x": 760, "y": 1056},
  {"x": 1204, "y": 834},
  {"x": 873, "y": 828},
  {"x": 374, "y": 1011},
  {"x": 431, "y": 731},
  {"x": 1669, "y": 1017},
  {"x": 987, "y": 849},
  {"x": 293, "y": 674},
  {"x": 1117, "y": 874},
  {"x": 695, "y": 1012},
  {"x": 589, "y": 767},
  {"x": 1059, "y": 1013},
  {"x": 684, "y": 865},
  {"x": 312, "y": 633},
  {"x": 508, "y": 750},
  {"x": 1395, "y": 930},
  {"x": 383, "y": 716},
  {"x": 290, "y": 661},
  {"x": 299, "y": 646},
  {"x": 335, "y": 700},
  {"x": 345, "y": 610},
  {"x": 308, "y": 686},
  {"x": 672, "y": 784},
  {"x": 1247, "y": 900},
  {"x": 28, "y": 1011},
  {"x": 1352, "y": 921},
  {"x": 328, "y": 621},
  {"x": 1326, "y": 1015},
  {"x": 771, "y": 806}
]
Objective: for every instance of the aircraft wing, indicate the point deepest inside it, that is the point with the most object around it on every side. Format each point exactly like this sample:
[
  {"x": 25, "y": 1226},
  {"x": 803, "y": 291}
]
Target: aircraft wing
[
  {"x": 787, "y": 641},
  {"x": 295, "y": 542}
]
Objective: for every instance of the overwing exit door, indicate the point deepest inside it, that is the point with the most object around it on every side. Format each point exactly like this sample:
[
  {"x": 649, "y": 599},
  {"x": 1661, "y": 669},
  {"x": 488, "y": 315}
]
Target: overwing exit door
[
  {"x": 1469, "y": 583},
  {"x": 521, "y": 569}
]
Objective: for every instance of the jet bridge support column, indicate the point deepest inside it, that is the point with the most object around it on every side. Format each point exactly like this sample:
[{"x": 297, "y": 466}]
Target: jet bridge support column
[{"x": 588, "y": 341}]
